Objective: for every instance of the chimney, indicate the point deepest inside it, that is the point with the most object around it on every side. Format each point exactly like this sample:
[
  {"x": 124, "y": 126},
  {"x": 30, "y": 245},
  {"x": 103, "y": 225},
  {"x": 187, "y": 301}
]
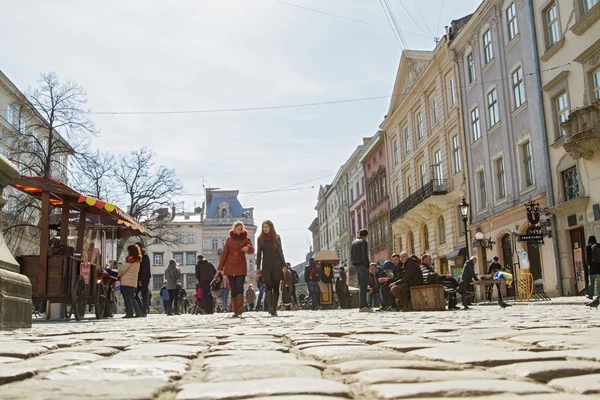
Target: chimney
[{"x": 198, "y": 210}]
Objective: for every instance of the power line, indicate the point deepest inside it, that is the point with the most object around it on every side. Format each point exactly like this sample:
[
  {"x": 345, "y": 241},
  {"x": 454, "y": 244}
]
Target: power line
[
  {"x": 390, "y": 22},
  {"x": 422, "y": 16},
  {"x": 440, "y": 17},
  {"x": 300, "y": 105},
  {"x": 263, "y": 191}
]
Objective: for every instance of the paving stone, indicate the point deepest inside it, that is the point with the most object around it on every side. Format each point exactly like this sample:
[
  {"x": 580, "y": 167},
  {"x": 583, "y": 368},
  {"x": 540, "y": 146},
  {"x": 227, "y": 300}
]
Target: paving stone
[
  {"x": 584, "y": 384},
  {"x": 253, "y": 345},
  {"x": 301, "y": 397},
  {"x": 356, "y": 366},
  {"x": 4, "y": 360},
  {"x": 545, "y": 371},
  {"x": 336, "y": 354},
  {"x": 331, "y": 343},
  {"x": 262, "y": 387},
  {"x": 259, "y": 361},
  {"x": 48, "y": 362},
  {"x": 98, "y": 350},
  {"x": 263, "y": 354},
  {"x": 410, "y": 345},
  {"x": 37, "y": 389},
  {"x": 11, "y": 373},
  {"x": 21, "y": 350},
  {"x": 378, "y": 338},
  {"x": 377, "y": 376},
  {"x": 161, "y": 350},
  {"x": 455, "y": 388},
  {"x": 274, "y": 370}
]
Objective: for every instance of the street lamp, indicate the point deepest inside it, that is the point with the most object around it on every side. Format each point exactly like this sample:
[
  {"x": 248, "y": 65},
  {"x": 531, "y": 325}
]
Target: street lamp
[
  {"x": 481, "y": 241},
  {"x": 464, "y": 212}
]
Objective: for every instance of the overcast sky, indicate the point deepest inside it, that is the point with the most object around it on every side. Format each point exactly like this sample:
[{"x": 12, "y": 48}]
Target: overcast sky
[{"x": 146, "y": 55}]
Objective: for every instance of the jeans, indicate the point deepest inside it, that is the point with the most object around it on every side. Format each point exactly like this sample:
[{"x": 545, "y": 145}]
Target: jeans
[
  {"x": 166, "y": 306},
  {"x": 224, "y": 298},
  {"x": 144, "y": 301},
  {"x": 374, "y": 300},
  {"x": 592, "y": 285},
  {"x": 363, "y": 283},
  {"x": 313, "y": 292},
  {"x": 207, "y": 297},
  {"x": 173, "y": 301},
  {"x": 261, "y": 292},
  {"x": 250, "y": 307},
  {"x": 294, "y": 298},
  {"x": 130, "y": 304},
  {"x": 237, "y": 284}
]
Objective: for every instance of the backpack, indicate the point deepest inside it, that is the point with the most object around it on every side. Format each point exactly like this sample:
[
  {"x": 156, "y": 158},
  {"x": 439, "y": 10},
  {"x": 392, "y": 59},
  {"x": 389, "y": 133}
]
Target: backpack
[
  {"x": 596, "y": 253},
  {"x": 295, "y": 277}
]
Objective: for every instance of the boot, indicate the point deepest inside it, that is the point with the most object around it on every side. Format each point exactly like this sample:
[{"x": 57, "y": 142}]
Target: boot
[
  {"x": 275, "y": 298},
  {"x": 234, "y": 306},
  {"x": 270, "y": 301},
  {"x": 407, "y": 303},
  {"x": 240, "y": 308}
]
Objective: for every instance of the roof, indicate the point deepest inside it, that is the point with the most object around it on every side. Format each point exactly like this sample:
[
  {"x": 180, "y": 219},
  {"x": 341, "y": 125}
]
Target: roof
[
  {"x": 190, "y": 218},
  {"x": 326, "y": 255},
  {"x": 228, "y": 196},
  {"x": 375, "y": 140}
]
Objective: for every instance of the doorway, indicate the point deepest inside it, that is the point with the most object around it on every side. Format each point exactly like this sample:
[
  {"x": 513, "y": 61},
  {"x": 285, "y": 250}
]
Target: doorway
[
  {"x": 535, "y": 259},
  {"x": 577, "y": 251},
  {"x": 507, "y": 251}
]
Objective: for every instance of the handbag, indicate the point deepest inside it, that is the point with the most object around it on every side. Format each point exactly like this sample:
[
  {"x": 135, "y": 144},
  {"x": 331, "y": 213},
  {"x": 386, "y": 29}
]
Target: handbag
[{"x": 217, "y": 282}]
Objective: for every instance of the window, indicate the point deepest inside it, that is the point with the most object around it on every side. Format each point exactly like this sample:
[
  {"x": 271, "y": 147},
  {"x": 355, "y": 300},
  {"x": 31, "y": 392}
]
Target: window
[
  {"x": 596, "y": 80},
  {"x": 396, "y": 152},
  {"x": 408, "y": 186},
  {"x": 10, "y": 115},
  {"x": 570, "y": 179},
  {"x": 528, "y": 161},
  {"x": 191, "y": 238},
  {"x": 511, "y": 21},
  {"x": 362, "y": 184},
  {"x": 461, "y": 224},
  {"x": 518, "y": 87},
  {"x": 178, "y": 257},
  {"x": 471, "y": 68},
  {"x": 215, "y": 244},
  {"x": 423, "y": 174},
  {"x": 562, "y": 112},
  {"x": 488, "y": 53},
  {"x": 482, "y": 192},
  {"x": 552, "y": 26},
  {"x": 383, "y": 188},
  {"x": 588, "y": 4},
  {"x": 398, "y": 193},
  {"x": 159, "y": 259},
  {"x": 492, "y": 103},
  {"x": 351, "y": 194},
  {"x": 190, "y": 280},
  {"x": 190, "y": 258},
  {"x": 501, "y": 178},
  {"x": 442, "y": 229},
  {"x": 438, "y": 170},
  {"x": 456, "y": 154},
  {"x": 358, "y": 192},
  {"x": 475, "y": 126},
  {"x": 22, "y": 126},
  {"x": 406, "y": 137},
  {"x": 434, "y": 113},
  {"x": 420, "y": 130},
  {"x": 425, "y": 239},
  {"x": 157, "y": 282},
  {"x": 452, "y": 94}
]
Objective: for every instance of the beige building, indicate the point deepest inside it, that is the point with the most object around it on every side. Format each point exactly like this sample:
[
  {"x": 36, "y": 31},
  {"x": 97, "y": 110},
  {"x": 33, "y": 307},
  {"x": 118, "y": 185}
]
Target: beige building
[
  {"x": 425, "y": 157},
  {"x": 568, "y": 47}
]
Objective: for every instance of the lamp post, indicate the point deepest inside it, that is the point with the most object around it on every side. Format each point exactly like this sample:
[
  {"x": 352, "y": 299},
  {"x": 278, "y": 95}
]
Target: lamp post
[{"x": 464, "y": 212}]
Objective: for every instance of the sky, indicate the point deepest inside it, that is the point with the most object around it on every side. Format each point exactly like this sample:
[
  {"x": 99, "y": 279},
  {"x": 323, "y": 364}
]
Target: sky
[{"x": 202, "y": 55}]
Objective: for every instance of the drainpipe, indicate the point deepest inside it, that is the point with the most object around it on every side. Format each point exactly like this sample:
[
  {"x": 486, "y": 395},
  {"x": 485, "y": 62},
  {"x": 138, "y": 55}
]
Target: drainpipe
[{"x": 549, "y": 185}]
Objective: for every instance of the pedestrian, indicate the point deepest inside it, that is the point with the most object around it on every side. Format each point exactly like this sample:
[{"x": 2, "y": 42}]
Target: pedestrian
[
  {"x": 466, "y": 277},
  {"x": 250, "y": 297},
  {"x": 286, "y": 288},
  {"x": 261, "y": 292},
  {"x": 359, "y": 252},
  {"x": 592, "y": 255},
  {"x": 492, "y": 269},
  {"x": 234, "y": 266},
  {"x": 411, "y": 276},
  {"x": 205, "y": 272},
  {"x": 269, "y": 263},
  {"x": 144, "y": 277},
  {"x": 164, "y": 295},
  {"x": 312, "y": 276},
  {"x": 374, "y": 287},
  {"x": 182, "y": 299},
  {"x": 149, "y": 302},
  {"x": 129, "y": 280},
  {"x": 224, "y": 293},
  {"x": 295, "y": 281},
  {"x": 341, "y": 287},
  {"x": 172, "y": 274}
]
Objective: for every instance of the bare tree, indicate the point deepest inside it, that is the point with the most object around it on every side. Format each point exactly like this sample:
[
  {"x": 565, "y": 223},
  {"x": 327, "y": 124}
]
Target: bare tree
[{"x": 93, "y": 175}]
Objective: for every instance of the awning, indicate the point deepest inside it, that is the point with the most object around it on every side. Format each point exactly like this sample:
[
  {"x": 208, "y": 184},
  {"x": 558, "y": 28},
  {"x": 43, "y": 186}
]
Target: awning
[{"x": 456, "y": 253}]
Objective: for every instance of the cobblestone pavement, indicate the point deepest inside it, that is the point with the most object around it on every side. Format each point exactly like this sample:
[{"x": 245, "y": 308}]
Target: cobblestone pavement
[{"x": 530, "y": 353}]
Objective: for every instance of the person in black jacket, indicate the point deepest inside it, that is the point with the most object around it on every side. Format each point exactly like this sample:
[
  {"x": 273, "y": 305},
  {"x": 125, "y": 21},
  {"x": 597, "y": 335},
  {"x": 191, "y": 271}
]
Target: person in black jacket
[
  {"x": 466, "y": 277},
  {"x": 312, "y": 276},
  {"x": 412, "y": 276},
  {"x": 359, "y": 255},
  {"x": 270, "y": 262},
  {"x": 205, "y": 273},
  {"x": 593, "y": 267},
  {"x": 144, "y": 276}
]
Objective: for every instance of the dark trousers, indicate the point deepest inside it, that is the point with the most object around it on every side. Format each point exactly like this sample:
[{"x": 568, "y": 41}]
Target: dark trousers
[
  {"x": 237, "y": 285},
  {"x": 141, "y": 297},
  {"x": 313, "y": 292},
  {"x": 294, "y": 298},
  {"x": 166, "y": 306},
  {"x": 363, "y": 283},
  {"x": 130, "y": 304},
  {"x": 207, "y": 297},
  {"x": 273, "y": 286},
  {"x": 261, "y": 294},
  {"x": 387, "y": 300},
  {"x": 340, "y": 288},
  {"x": 173, "y": 301}
]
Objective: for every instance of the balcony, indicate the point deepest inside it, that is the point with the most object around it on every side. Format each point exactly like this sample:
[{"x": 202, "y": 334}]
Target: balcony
[
  {"x": 435, "y": 187},
  {"x": 583, "y": 131}
]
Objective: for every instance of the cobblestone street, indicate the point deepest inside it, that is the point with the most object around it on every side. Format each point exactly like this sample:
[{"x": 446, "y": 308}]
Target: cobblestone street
[{"x": 528, "y": 352}]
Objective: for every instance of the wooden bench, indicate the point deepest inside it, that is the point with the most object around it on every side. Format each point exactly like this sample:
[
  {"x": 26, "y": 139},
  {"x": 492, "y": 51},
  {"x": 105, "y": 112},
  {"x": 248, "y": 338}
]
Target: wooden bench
[{"x": 428, "y": 298}]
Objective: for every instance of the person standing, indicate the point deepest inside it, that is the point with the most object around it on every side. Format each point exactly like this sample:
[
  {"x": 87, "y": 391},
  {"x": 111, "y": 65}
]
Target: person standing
[
  {"x": 234, "y": 266},
  {"x": 129, "y": 280},
  {"x": 411, "y": 276},
  {"x": 492, "y": 269},
  {"x": 250, "y": 297},
  {"x": 295, "y": 281},
  {"x": 466, "y": 277},
  {"x": 592, "y": 256},
  {"x": 164, "y": 295},
  {"x": 286, "y": 288},
  {"x": 270, "y": 262},
  {"x": 144, "y": 277},
  {"x": 224, "y": 293},
  {"x": 341, "y": 288},
  {"x": 312, "y": 277},
  {"x": 205, "y": 272},
  {"x": 359, "y": 253},
  {"x": 172, "y": 274}
]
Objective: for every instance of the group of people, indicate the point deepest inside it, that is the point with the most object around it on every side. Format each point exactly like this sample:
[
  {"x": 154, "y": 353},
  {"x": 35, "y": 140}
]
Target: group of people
[{"x": 135, "y": 274}]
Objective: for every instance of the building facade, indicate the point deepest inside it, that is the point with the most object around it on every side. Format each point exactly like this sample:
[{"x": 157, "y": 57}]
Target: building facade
[
  {"x": 314, "y": 230},
  {"x": 333, "y": 220},
  {"x": 568, "y": 48},
  {"x": 374, "y": 162},
  {"x": 357, "y": 193},
  {"x": 426, "y": 158},
  {"x": 323, "y": 218}
]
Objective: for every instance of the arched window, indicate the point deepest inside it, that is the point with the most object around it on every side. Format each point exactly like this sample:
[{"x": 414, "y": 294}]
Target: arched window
[
  {"x": 424, "y": 238},
  {"x": 410, "y": 243},
  {"x": 442, "y": 229},
  {"x": 224, "y": 213}
]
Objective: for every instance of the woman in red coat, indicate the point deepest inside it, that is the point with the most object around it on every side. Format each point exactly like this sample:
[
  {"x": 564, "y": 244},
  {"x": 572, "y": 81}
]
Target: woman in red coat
[{"x": 233, "y": 264}]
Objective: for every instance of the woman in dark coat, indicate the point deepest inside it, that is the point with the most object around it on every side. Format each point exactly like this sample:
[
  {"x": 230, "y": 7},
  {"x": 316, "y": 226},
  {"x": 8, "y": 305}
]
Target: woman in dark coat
[{"x": 270, "y": 253}]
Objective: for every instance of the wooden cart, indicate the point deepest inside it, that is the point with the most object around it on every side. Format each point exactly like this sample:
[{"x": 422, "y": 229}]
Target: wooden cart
[
  {"x": 57, "y": 273},
  {"x": 326, "y": 259}
]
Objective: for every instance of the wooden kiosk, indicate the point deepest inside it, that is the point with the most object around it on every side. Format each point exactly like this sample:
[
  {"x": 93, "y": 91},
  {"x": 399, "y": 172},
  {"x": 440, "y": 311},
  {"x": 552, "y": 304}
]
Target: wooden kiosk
[
  {"x": 57, "y": 273},
  {"x": 326, "y": 260}
]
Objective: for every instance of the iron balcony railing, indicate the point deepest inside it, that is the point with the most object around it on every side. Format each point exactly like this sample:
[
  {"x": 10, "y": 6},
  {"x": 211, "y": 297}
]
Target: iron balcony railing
[{"x": 434, "y": 187}]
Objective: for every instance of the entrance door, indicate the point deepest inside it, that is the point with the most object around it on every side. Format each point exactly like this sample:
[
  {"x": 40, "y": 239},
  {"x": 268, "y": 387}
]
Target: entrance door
[
  {"x": 577, "y": 249},
  {"x": 535, "y": 261},
  {"x": 507, "y": 251}
]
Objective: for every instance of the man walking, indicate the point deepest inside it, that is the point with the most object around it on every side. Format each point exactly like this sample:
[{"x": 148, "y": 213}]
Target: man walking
[
  {"x": 205, "y": 272},
  {"x": 467, "y": 276},
  {"x": 359, "y": 253},
  {"x": 312, "y": 277},
  {"x": 144, "y": 276}
]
